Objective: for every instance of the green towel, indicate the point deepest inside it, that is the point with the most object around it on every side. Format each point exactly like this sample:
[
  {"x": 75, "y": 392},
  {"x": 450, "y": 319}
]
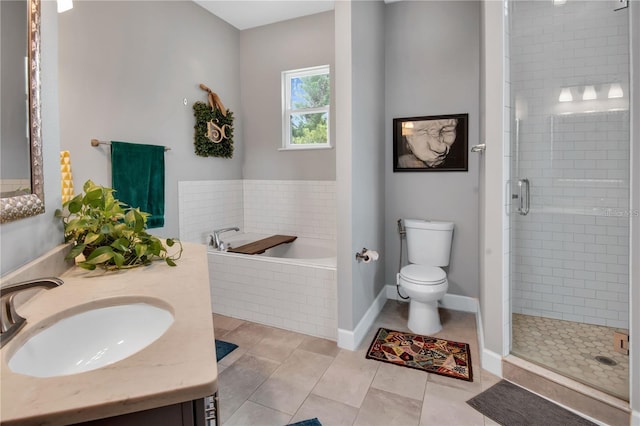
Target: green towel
[{"x": 137, "y": 174}]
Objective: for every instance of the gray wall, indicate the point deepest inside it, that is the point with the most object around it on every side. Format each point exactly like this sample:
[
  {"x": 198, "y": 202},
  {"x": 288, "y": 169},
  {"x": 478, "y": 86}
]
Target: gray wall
[
  {"x": 360, "y": 155},
  {"x": 432, "y": 68},
  {"x": 367, "y": 150},
  {"x": 265, "y": 52},
  {"x": 15, "y": 152},
  {"x": 125, "y": 68},
  {"x": 26, "y": 239},
  {"x": 344, "y": 184}
]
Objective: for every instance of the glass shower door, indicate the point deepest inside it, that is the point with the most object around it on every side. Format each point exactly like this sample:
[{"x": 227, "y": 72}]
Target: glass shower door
[{"x": 569, "y": 81}]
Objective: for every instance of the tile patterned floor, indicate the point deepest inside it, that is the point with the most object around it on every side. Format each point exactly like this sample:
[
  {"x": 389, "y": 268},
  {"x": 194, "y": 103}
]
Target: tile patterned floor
[
  {"x": 570, "y": 348},
  {"x": 277, "y": 377}
]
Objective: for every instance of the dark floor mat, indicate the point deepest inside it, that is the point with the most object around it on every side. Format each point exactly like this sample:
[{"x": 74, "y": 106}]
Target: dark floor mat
[{"x": 510, "y": 405}]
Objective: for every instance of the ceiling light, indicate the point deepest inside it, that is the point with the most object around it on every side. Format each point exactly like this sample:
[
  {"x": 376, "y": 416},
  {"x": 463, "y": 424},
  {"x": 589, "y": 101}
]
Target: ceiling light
[
  {"x": 565, "y": 95},
  {"x": 615, "y": 91},
  {"x": 589, "y": 93}
]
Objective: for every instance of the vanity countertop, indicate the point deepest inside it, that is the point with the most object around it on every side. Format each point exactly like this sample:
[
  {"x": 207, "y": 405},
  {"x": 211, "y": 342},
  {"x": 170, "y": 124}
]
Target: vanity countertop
[{"x": 180, "y": 366}]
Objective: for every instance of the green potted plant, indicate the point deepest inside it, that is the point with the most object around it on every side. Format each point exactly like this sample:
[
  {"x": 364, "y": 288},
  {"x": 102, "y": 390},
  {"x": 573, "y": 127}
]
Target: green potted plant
[{"x": 109, "y": 233}]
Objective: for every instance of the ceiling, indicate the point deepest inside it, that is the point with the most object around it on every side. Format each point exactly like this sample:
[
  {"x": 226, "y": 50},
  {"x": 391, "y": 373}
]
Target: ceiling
[{"x": 245, "y": 14}]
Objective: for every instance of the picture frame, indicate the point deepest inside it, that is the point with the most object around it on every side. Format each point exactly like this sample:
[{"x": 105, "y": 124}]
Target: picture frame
[{"x": 435, "y": 143}]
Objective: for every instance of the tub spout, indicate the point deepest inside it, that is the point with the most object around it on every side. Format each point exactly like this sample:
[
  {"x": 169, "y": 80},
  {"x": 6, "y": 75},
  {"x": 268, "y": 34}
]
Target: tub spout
[{"x": 216, "y": 242}]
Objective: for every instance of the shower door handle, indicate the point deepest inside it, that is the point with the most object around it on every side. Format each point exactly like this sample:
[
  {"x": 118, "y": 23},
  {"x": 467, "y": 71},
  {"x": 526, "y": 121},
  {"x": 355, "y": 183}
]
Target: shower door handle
[{"x": 523, "y": 196}]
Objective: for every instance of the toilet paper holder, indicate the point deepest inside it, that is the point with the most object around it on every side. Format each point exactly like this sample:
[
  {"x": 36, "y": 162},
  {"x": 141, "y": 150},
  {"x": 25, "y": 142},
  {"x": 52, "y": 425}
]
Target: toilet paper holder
[{"x": 366, "y": 255}]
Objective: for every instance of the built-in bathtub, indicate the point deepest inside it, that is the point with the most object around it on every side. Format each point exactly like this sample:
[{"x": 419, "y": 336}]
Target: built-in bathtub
[{"x": 291, "y": 286}]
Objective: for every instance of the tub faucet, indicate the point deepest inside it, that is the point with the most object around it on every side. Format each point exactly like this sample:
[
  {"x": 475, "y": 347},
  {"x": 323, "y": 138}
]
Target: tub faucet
[
  {"x": 216, "y": 242},
  {"x": 10, "y": 321}
]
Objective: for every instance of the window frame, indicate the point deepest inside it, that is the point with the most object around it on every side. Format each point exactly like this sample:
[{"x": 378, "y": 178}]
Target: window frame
[{"x": 287, "y": 111}]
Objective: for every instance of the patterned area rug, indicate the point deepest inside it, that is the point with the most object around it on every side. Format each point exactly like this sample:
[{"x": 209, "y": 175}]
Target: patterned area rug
[{"x": 430, "y": 354}]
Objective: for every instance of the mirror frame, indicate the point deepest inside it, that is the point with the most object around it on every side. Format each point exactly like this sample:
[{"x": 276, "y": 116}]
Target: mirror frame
[{"x": 13, "y": 208}]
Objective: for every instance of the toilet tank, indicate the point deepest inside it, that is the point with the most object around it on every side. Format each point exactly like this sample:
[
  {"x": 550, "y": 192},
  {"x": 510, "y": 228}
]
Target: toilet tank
[{"x": 428, "y": 241}]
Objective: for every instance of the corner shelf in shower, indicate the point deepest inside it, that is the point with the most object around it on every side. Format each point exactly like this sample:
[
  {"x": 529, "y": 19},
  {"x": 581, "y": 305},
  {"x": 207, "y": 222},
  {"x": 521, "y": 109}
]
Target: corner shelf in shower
[{"x": 258, "y": 247}]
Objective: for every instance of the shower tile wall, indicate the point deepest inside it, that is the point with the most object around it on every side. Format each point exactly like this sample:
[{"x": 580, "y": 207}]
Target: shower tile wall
[
  {"x": 572, "y": 248},
  {"x": 301, "y": 208}
]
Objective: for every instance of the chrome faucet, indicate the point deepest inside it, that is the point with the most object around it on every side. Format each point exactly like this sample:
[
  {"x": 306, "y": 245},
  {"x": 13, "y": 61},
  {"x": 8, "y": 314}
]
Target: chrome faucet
[
  {"x": 10, "y": 321},
  {"x": 216, "y": 242}
]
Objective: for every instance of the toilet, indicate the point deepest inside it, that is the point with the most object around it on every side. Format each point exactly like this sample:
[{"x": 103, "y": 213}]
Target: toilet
[{"x": 423, "y": 279}]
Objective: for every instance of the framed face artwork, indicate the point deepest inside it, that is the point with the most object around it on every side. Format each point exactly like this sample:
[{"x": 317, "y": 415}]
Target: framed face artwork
[{"x": 432, "y": 143}]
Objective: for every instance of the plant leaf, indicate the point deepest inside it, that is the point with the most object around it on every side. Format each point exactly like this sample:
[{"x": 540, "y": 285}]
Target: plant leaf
[
  {"x": 88, "y": 185},
  {"x": 141, "y": 249},
  {"x": 75, "y": 205},
  {"x": 121, "y": 244},
  {"x": 170, "y": 261},
  {"x": 100, "y": 255},
  {"x": 86, "y": 265},
  {"x": 107, "y": 228},
  {"x": 91, "y": 238},
  {"x": 118, "y": 259},
  {"x": 75, "y": 251},
  {"x": 155, "y": 246},
  {"x": 139, "y": 223}
]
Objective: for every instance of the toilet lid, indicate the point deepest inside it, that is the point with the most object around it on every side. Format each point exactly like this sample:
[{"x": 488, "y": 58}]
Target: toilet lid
[{"x": 421, "y": 274}]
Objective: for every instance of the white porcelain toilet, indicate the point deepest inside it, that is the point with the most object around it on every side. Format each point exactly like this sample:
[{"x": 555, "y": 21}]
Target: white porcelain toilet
[{"x": 423, "y": 279}]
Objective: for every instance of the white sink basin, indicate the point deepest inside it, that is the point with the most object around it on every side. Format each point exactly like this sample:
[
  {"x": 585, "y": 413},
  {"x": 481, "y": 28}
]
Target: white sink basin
[{"x": 90, "y": 340}]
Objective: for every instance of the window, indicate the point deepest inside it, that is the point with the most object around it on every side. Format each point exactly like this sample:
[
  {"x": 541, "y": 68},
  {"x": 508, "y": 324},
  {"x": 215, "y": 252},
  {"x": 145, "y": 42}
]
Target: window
[{"x": 306, "y": 95}]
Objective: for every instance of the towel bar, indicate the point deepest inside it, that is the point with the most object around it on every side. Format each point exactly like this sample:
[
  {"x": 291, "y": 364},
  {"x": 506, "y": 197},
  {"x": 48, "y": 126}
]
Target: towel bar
[{"x": 96, "y": 142}]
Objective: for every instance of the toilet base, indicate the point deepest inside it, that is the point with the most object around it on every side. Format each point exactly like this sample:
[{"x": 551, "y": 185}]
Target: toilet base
[{"x": 424, "y": 317}]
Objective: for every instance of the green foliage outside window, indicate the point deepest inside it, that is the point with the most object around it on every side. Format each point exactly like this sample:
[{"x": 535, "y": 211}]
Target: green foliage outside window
[{"x": 310, "y": 92}]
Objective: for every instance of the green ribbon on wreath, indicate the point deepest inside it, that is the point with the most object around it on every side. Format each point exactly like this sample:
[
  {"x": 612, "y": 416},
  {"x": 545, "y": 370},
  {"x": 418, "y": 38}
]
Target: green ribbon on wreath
[{"x": 214, "y": 127}]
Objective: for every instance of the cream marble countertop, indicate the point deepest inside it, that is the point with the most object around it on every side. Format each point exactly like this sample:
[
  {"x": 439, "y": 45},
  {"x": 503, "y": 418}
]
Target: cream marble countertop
[{"x": 179, "y": 366}]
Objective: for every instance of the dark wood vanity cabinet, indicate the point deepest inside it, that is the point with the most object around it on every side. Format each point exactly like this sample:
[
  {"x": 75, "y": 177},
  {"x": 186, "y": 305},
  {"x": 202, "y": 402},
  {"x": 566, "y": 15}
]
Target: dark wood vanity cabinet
[{"x": 199, "y": 412}]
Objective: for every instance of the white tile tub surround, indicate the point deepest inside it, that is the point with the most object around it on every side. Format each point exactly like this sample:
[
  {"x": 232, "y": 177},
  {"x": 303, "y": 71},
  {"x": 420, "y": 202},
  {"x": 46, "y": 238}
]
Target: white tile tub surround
[
  {"x": 275, "y": 292},
  {"x": 207, "y": 205},
  {"x": 573, "y": 248},
  {"x": 301, "y": 208}
]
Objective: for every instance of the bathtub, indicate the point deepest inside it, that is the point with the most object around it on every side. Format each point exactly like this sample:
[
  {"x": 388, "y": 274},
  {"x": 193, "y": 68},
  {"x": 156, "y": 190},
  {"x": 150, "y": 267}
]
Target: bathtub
[
  {"x": 291, "y": 286},
  {"x": 303, "y": 251}
]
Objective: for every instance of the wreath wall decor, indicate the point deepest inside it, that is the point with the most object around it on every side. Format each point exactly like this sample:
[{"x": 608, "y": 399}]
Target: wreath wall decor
[{"x": 214, "y": 127}]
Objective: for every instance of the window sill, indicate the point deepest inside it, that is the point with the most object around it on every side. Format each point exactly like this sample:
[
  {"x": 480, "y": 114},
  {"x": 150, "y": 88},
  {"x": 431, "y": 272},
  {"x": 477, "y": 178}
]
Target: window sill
[{"x": 306, "y": 148}]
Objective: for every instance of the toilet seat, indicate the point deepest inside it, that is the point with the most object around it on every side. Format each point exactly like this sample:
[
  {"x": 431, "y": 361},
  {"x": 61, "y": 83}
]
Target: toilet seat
[{"x": 423, "y": 275}]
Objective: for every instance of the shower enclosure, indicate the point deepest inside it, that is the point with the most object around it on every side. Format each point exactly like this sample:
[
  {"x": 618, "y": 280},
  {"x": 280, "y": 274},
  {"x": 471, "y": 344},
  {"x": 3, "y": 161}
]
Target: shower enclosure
[{"x": 569, "y": 217}]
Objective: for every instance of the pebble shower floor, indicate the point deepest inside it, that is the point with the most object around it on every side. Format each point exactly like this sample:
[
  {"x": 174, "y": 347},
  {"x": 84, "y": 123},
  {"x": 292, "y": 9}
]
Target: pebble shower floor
[{"x": 570, "y": 348}]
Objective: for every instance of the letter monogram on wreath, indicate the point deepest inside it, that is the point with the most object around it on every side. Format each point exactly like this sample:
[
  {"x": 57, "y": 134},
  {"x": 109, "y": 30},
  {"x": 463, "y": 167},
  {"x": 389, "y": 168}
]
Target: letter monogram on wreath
[{"x": 214, "y": 127}]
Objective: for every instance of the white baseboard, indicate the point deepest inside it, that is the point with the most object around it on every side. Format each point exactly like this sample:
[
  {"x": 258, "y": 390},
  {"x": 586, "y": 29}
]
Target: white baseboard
[
  {"x": 350, "y": 340},
  {"x": 635, "y": 418},
  {"x": 459, "y": 303},
  {"x": 449, "y": 301},
  {"x": 491, "y": 361}
]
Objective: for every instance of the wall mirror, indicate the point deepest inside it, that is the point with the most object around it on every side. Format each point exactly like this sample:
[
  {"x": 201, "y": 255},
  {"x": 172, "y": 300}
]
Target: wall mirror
[{"x": 22, "y": 191}]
